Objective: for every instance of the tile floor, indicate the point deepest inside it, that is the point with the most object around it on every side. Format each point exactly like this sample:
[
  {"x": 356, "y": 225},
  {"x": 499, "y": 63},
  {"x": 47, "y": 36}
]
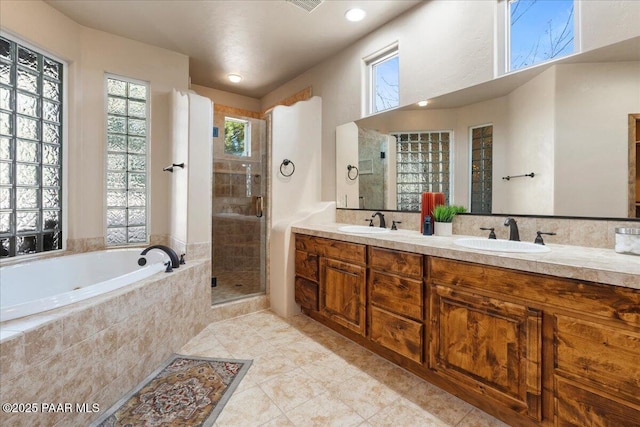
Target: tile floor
[{"x": 304, "y": 374}]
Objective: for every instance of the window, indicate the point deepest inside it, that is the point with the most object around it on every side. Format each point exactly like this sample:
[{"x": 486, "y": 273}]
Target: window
[
  {"x": 481, "y": 168},
  {"x": 422, "y": 165},
  {"x": 31, "y": 98},
  {"x": 538, "y": 31},
  {"x": 127, "y": 153},
  {"x": 384, "y": 86},
  {"x": 237, "y": 137}
]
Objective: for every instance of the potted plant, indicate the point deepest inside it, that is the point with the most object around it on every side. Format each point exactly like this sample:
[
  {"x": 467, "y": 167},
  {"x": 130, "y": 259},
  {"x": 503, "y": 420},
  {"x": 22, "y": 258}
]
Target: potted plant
[{"x": 443, "y": 216}]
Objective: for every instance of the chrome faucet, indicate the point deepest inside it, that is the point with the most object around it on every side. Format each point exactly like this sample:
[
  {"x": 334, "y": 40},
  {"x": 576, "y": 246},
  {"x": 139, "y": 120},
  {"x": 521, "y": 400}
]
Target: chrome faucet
[
  {"x": 175, "y": 261},
  {"x": 513, "y": 229},
  {"x": 382, "y": 223}
]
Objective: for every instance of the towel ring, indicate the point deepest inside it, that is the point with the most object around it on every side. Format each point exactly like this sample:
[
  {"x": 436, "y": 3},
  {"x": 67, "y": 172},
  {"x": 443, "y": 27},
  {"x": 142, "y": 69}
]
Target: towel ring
[
  {"x": 349, "y": 168},
  {"x": 287, "y": 162}
]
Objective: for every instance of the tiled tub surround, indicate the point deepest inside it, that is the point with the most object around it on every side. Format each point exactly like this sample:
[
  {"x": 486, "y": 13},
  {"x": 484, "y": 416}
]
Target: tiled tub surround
[
  {"x": 97, "y": 350},
  {"x": 575, "y": 262},
  {"x": 588, "y": 232}
]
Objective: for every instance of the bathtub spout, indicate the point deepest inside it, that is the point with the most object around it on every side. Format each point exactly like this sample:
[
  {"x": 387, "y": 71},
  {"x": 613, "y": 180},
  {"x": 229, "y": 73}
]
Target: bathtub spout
[{"x": 175, "y": 261}]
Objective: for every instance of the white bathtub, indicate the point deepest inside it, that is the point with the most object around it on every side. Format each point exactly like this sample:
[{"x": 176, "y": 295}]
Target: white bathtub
[{"x": 37, "y": 286}]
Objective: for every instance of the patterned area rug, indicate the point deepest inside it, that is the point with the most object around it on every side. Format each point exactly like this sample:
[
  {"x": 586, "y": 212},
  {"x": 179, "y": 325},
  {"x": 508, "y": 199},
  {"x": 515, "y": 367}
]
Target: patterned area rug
[{"x": 184, "y": 391}]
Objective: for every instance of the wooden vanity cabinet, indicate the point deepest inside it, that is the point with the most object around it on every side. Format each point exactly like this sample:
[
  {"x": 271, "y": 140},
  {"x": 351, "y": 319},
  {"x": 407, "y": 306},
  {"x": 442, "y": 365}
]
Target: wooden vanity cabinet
[
  {"x": 531, "y": 349},
  {"x": 343, "y": 293},
  {"x": 331, "y": 279},
  {"x": 488, "y": 345},
  {"x": 597, "y": 374},
  {"x": 396, "y": 302},
  {"x": 589, "y": 365},
  {"x": 597, "y": 371},
  {"x": 306, "y": 284}
]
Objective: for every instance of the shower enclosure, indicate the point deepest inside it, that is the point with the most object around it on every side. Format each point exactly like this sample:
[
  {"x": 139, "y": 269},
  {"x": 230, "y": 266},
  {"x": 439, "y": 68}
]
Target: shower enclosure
[{"x": 239, "y": 212}]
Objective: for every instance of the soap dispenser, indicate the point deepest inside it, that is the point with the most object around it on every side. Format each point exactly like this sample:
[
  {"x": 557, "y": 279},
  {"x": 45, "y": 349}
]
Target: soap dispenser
[{"x": 427, "y": 228}]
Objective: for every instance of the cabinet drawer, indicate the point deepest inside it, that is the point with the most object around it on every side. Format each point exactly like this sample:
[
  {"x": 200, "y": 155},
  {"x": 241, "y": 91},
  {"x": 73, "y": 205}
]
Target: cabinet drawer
[
  {"x": 397, "y": 294},
  {"x": 390, "y": 261},
  {"x": 578, "y": 406},
  {"x": 397, "y": 333},
  {"x": 306, "y": 293},
  {"x": 604, "y": 356},
  {"x": 307, "y": 265},
  {"x": 615, "y": 303},
  {"x": 330, "y": 248}
]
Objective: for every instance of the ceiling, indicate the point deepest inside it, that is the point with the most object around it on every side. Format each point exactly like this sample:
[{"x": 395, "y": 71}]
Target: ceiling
[{"x": 268, "y": 42}]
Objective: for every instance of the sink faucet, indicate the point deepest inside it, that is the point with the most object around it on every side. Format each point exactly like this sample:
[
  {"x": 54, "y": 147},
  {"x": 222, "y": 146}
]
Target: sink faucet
[
  {"x": 382, "y": 223},
  {"x": 175, "y": 261},
  {"x": 513, "y": 229}
]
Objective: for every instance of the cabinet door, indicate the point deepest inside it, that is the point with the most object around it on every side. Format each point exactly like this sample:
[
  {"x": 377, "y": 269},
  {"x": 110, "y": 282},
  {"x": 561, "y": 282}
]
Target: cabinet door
[
  {"x": 490, "y": 346},
  {"x": 342, "y": 293},
  {"x": 597, "y": 371}
]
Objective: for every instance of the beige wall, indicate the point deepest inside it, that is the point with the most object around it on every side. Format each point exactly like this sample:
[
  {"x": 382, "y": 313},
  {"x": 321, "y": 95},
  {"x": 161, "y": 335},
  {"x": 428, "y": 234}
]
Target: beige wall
[
  {"x": 229, "y": 99},
  {"x": 530, "y": 148},
  {"x": 90, "y": 54},
  {"x": 592, "y": 106},
  {"x": 347, "y": 154},
  {"x": 444, "y": 46}
]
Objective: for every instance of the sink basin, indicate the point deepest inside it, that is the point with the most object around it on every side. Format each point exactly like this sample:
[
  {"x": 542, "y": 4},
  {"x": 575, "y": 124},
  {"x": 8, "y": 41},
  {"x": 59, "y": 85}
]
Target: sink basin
[
  {"x": 501, "y": 245},
  {"x": 362, "y": 229}
]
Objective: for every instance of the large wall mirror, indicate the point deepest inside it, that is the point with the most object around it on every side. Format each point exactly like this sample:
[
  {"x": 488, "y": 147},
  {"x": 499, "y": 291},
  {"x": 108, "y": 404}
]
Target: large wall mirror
[{"x": 559, "y": 132}]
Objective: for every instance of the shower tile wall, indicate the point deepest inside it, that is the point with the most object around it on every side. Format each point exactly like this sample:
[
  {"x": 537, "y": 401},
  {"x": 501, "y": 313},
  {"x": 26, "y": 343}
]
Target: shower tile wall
[
  {"x": 241, "y": 248},
  {"x": 372, "y": 168}
]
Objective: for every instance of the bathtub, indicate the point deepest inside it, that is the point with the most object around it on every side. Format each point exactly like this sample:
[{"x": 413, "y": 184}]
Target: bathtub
[{"x": 37, "y": 286}]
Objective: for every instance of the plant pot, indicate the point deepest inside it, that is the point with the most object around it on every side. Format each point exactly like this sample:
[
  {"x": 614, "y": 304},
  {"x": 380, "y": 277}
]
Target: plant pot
[{"x": 443, "y": 228}]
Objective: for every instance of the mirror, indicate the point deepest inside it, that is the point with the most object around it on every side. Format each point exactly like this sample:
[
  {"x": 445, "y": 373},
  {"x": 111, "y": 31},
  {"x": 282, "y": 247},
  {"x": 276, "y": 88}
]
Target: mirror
[{"x": 567, "y": 123}]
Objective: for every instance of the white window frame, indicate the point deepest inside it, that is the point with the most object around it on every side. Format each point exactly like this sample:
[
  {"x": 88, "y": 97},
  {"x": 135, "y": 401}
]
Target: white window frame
[
  {"x": 147, "y": 157},
  {"x": 64, "y": 146},
  {"x": 247, "y": 136},
  {"x": 370, "y": 61},
  {"x": 502, "y": 50}
]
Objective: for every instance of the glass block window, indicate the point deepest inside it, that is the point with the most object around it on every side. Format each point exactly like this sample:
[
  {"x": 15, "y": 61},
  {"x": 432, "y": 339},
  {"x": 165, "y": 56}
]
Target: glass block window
[
  {"x": 237, "y": 137},
  {"x": 538, "y": 31},
  {"x": 481, "y": 168},
  {"x": 30, "y": 151},
  {"x": 423, "y": 164},
  {"x": 383, "y": 71},
  {"x": 127, "y": 146}
]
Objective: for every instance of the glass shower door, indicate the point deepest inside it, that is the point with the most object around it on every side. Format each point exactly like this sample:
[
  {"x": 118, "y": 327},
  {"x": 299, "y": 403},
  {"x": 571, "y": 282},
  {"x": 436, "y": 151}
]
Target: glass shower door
[{"x": 238, "y": 261}]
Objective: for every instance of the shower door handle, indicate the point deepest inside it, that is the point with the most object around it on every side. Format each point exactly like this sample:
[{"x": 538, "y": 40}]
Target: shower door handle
[{"x": 259, "y": 206}]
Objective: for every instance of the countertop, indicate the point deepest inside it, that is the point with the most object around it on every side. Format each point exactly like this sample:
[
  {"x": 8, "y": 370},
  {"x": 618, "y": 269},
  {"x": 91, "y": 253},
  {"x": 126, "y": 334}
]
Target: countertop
[{"x": 576, "y": 262}]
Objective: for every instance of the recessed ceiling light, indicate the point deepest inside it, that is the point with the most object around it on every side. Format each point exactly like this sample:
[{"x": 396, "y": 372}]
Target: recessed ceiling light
[
  {"x": 355, "y": 15},
  {"x": 423, "y": 103},
  {"x": 235, "y": 78}
]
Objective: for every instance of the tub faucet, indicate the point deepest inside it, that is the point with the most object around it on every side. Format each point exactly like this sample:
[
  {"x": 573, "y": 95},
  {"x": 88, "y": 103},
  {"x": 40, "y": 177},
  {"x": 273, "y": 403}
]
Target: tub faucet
[
  {"x": 513, "y": 229},
  {"x": 175, "y": 261},
  {"x": 382, "y": 223}
]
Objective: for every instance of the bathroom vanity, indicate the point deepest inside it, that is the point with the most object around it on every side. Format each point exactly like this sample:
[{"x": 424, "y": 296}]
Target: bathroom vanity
[{"x": 533, "y": 339}]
